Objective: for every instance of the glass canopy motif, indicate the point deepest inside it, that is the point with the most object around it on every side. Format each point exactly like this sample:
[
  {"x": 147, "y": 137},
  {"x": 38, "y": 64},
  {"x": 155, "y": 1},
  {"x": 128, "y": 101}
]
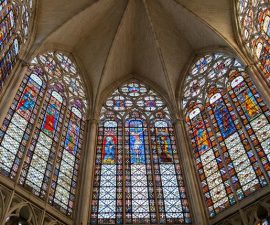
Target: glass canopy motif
[
  {"x": 228, "y": 123},
  {"x": 138, "y": 177},
  {"x": 254, "y": 24},
  {"x": 42, "y": 134},
  {"x": 14, "y": 31}
]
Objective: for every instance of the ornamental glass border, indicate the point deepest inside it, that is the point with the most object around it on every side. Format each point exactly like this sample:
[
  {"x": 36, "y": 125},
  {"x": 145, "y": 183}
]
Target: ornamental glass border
[
  {"x": 226, "y": 119},
  {"x": 42, "y": 135},
  {"x": 138, "y": 176}
]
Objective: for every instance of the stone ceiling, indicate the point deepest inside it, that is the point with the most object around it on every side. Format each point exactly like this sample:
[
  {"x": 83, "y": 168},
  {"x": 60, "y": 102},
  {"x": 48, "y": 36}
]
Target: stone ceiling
[{"x": 152, "y": 39}]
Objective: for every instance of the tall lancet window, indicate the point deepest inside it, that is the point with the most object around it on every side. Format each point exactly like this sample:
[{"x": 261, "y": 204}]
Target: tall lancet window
[
  {"x": 138, "y": 177},
  {"x": 42, "y": 134},
  {"x": 254, "y": 26},
  {"x": 228, "y": 124},
  {"x": 15, "y": 19}
]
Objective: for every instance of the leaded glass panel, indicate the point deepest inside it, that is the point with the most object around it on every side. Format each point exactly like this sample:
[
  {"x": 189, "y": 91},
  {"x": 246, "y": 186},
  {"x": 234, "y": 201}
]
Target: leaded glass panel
[
  {"x": 138, "y": 178},
  {"x": 45, "y": 127},
  {"x": 14, "y": 32},
  {"x": 19, "y": 123},
  {"x": 227, "y": 121},
  {"x": 254, "y": 24}
]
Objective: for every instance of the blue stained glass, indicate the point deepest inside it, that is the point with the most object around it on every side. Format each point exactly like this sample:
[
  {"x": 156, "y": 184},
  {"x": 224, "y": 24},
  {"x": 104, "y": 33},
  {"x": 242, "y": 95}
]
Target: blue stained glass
[
  {"x": 108, "y": 153},
  {"x": 238, "y": 129},
  {"x": 138, "y": 178},
  {"x": 40, "y": 129},
  {"x": 133, "y": 89},
  {"x": 137, "y": 154},
  {"x": 28, "y": 98},
  {"x": 72, "y": 138},
  {"x": 36, "y": 168},
  {"x": 224, "y": 119},
  {"x": 19, "y": 123},
  {"x": 12, "y": 35},
  {"x": 201, "y": 64},
  {"x": 51, "y": 118}
]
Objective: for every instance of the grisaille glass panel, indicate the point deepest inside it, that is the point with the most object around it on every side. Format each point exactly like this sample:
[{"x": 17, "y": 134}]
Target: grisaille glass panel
[
  {"x": 45, "y": 126},
  {"x": 227, "y": 121},
  {"x": 137, "y": 169}
]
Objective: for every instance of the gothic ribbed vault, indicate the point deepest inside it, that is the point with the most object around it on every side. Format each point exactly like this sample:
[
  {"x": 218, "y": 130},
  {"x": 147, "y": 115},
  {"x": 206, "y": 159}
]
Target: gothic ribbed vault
[{"x": 153, "y": 39}]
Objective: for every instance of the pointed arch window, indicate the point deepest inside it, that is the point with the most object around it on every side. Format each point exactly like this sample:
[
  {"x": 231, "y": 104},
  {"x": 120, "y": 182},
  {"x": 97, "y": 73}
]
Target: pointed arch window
[
  {"x": 138, "y": 176},
  {"x": 228, "y": 123},
  {"x": 254, "y": 25},
  {"x": 41, "y": 137},
  {"x": 15, "y": 19}
]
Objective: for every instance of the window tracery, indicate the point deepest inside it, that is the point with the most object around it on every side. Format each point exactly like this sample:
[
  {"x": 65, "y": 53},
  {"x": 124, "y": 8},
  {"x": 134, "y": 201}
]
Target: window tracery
[
  {"x": 45, "y": 127},
  {"x": 138, "y": 177},
  {"x": 14, "y": 32},
  {"x": 254, "y": 25},
  {"x": 227, "y": 121}
]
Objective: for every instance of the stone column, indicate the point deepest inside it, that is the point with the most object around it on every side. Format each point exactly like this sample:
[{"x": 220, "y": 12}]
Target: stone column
[
  {"x": 9, "y": 91},
  {"x": 260, "y": 83},
  {"x": 196, "y": 203},
  {"x": 87, "y": 174}
]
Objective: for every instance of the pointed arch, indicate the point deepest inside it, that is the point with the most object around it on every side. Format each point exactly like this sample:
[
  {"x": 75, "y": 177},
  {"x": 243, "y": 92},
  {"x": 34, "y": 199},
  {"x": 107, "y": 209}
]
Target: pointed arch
[
  {"x": 226, "y": 119},
  {"x": 137, "y": 171},
  {"x": 42, "y": 134},
  {"x": 21, "y": 210}
]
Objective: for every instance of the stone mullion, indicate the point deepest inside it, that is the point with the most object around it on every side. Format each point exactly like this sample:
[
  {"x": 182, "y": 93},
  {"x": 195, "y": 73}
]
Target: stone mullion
[
  {"x": 248, "y": 137},
  {"x": 196, "y": 202},
  {"x": 221, "y": 153},
  {"x": 25, "y": 153},
  {"x": 153, "y": 169},
  {"x": 124, "y": 171},
  {"x": 56, "y": 152},
  {"x": 9, "y": 92},
  {"x": 88, "y": 169},
  {"x": 81, "y": 173},
  {"x": 31, "y": 134}
]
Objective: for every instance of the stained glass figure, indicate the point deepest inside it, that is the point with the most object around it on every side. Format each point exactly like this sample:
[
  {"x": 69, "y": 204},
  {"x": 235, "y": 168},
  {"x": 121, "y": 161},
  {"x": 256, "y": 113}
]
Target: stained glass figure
[
  {"x": 140, "y": 207},
  {"x": 136, "y": 142},
  {"x": 211, "y": 170},
  {"x": 138, "y": 177},
  {"x": 14, "y": 32},
  {"x": 109, "y": 143},
  {"x": 64, "y": 185},
  {"x": 45, "y": 127},
  {"x": 227, "y": 121},
  {"x": 254, "y": 25},
  {"x": 18, "y": 124},
  {"x": 37, "y": 167},
  {"x": 171, "y": 194},
  {"x": 108, "y": 183}
]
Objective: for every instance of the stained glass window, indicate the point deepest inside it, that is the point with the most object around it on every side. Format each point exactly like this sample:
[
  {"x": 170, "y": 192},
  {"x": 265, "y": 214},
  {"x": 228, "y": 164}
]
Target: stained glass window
[
  {"x": 254, "y": 25},
  {"x": 264, "y": 222},
  {"x": 14, "y": 32},
  {"x": 138, "y": 177},
  {"x": 228, "y": 123},
  {"x": 42, "y": 134}
]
